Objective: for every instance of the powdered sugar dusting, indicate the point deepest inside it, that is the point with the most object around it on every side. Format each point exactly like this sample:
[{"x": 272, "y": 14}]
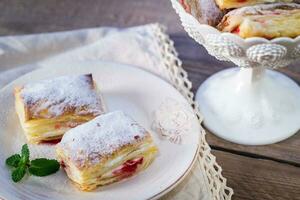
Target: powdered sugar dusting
[
  {"x": 75, "y": 93},
  {"x": 102, "y": 136}
]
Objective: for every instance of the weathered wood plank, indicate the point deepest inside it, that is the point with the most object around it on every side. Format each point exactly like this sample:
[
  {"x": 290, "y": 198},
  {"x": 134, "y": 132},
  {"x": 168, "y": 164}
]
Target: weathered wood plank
[
  {"x": 286, "y": 151},
  {"x": 33, "y": 16},
  {"x": 259, "y": 179}
]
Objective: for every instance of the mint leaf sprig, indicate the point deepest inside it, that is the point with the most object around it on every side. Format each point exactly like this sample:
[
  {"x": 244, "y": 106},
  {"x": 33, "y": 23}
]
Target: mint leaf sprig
[{"x": 38, "y": 167}]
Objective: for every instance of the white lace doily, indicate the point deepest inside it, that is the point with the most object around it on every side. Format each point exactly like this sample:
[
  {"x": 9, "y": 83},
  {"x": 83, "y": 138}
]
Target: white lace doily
[{"x": 205, "y": 180}]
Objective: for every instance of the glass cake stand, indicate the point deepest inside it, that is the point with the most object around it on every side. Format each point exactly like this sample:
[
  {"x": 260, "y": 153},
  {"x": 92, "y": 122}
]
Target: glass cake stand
[{"x": 252, "y": 104}]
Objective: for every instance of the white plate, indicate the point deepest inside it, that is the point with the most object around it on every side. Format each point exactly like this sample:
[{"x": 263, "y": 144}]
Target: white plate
[{"x": 137, "y": 93}]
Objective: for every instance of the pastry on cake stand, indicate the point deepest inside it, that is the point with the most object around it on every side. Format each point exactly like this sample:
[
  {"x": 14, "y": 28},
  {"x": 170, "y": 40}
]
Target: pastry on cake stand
[{"x": 252, "y": 104}]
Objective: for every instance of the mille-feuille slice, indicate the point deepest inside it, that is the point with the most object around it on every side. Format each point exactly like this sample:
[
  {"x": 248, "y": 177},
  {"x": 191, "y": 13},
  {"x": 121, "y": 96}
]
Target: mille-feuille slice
[
  {"x": 107, "y": 149},
  {"x": 49, "y": 108}
]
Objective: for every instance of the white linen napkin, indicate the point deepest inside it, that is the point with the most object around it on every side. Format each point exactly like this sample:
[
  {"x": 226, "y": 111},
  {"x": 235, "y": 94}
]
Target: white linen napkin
[{"x": 137, "y": 46}]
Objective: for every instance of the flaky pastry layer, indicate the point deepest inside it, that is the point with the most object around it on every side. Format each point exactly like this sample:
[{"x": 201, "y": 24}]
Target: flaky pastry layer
[
  {"x": 46, "y": 115},
  {"x": 123, "y": 163}
]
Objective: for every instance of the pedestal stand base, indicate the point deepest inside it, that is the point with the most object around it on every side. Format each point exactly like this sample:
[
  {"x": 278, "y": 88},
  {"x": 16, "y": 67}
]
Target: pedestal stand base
[{"x": 250, "y": 106}]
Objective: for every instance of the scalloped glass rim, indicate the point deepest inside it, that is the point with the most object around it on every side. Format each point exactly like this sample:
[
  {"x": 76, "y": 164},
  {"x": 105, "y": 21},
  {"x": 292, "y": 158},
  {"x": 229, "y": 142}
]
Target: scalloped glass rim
[{"x": 234, "y": 36}]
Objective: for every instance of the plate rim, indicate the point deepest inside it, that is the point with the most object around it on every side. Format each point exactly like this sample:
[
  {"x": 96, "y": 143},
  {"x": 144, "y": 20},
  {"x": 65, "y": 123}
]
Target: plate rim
[{"x": 180, "y": 179}]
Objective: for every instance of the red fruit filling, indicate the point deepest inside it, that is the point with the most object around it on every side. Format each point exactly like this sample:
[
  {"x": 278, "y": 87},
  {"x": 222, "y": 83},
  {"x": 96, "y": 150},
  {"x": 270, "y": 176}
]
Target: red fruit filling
[
  {"x": 186, "y": 7},
  {"x": 62, "y": 164},
  {"x": 236, "y": 30},
  {"x": 57, "y": 126},
  {"x": 128, "y": 168},
  {"x": 50, "y": 142}
]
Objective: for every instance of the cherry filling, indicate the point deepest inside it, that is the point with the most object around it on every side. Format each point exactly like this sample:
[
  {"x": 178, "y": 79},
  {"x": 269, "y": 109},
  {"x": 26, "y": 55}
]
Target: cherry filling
[
  {"x": 62, "y": 164},
  {"x": 69, "y": 125},
  {"x": 236, "y": 30},
  {"x": 128, "y": 168},
  {"x": 57, "y": 126},
  {"x": 186, "y": 7},
  {"x": 50, "y": 142}
]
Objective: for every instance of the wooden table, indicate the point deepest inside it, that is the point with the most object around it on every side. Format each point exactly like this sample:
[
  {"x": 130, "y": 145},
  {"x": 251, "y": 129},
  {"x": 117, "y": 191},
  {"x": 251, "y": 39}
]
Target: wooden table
[{"x": 262, "y": 172}]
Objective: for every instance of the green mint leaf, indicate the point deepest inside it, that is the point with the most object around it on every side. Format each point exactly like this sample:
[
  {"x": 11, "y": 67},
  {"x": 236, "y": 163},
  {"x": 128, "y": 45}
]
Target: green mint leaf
[
  {"x": 25, "y": 154},
  {"x": 43, "y": 167},
  {"x": 18, "y": 174},
  {"x": 13, "y": 160}
]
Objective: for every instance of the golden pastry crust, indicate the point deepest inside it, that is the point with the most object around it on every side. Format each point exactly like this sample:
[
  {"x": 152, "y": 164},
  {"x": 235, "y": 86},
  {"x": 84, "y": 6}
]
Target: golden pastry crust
[
  {"x": 229, "y": 4},
  {"x": 108, "y": 149},
  {"x": 54, "y": 97},
  {"x": 47, "y": 109},
  {"x": 268, "y": 21}
]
